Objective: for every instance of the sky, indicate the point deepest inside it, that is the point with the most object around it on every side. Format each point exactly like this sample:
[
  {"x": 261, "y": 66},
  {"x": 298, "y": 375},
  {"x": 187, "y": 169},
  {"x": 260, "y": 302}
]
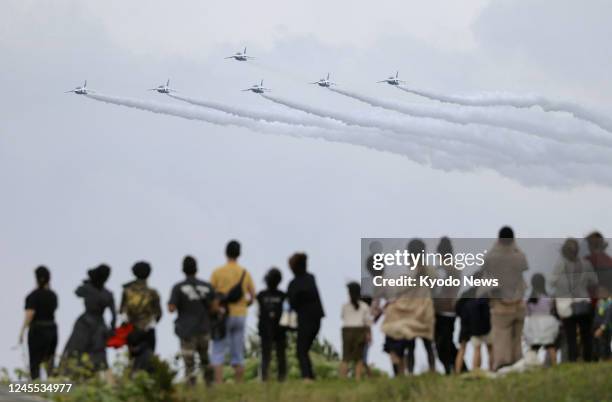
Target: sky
[{"x": 86, "y": 182}]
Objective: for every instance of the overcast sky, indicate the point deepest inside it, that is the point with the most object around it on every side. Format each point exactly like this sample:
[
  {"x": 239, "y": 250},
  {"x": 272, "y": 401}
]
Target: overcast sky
[{"x": 85, "y": 182}]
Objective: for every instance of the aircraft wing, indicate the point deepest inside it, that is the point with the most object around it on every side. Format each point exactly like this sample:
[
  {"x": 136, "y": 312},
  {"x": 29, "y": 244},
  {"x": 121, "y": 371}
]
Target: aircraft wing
[
  {"x": 67, "y": 92},
  {"x": 229, "y": 57}
]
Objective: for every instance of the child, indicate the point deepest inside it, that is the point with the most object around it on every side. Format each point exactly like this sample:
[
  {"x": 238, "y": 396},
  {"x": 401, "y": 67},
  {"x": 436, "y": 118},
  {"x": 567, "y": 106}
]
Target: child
[
  {"x": 603, "y": 324},
  {"x": 480, "y": 329},
  {"x": 356, "y": 333},
  {"x": 270, "y": 303},
  {"x": 541, "y": 326},
  {"x": 464, "y": 334}
]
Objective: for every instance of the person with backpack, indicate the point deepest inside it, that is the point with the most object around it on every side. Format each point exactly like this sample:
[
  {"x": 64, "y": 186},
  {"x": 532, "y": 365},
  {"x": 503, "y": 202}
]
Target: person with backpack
[
  {"x": 40, "y": 306},
  {"x": 238, "y": 293},
  {"x": 271, "y": 333},
  {"x": 193, "y": 300},
  {"x": 141, "y": 304}
]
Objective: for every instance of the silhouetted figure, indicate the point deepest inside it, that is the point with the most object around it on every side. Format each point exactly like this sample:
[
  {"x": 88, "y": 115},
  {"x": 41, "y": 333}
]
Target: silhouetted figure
[
  {"x": 90, "y": 332},
  {"x": 140, "y": 303},
  {"x": 193, "y": 300},
  {"x": 272, "y": 335},
  {"x": 304, "y": 299},
  {"x": 572, "y": 281},
  {"x": 444, "y": 306},
  {"x": 142, "y": 306},
  {"x": 40, "y": 306}
]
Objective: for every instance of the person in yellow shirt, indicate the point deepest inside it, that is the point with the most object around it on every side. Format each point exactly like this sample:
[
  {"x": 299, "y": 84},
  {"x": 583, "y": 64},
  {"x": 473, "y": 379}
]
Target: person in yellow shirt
[{"x": 236, "y": 284}]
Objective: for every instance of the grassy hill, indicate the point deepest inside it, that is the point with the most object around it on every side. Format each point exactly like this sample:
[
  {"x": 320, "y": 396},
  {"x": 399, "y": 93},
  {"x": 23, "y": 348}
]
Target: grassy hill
[{"x": 566, "y": 383}]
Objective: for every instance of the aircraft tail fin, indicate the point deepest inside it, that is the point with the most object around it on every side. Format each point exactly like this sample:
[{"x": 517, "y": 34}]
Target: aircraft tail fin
[
  {"x": 244, "y": 50},
  {"x": 85, "y": 84}
]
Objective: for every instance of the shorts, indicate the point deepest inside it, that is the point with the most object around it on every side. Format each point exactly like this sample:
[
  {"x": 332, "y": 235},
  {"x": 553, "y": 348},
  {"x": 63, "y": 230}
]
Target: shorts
[
  {"x": 464, "y": 333},
  {"x": 396, "y": 346},
  {"x": 481, "y": 340},
  {"x": 353, "y": 343},
  {"x": 233, "y": 342}
]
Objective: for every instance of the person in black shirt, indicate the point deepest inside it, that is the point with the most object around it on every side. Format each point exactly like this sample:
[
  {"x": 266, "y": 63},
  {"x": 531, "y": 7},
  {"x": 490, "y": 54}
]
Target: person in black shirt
[
  {"x": 40, "y": 306},
  {"x": 305, "y": 301},
  {"x": 90, "y": 331},
  {"x": 193, "y": 300},
  {"x": 270, "y": 303}
]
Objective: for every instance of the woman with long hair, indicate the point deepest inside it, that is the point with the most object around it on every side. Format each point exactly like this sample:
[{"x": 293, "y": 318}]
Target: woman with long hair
[{"x": 88, "y": 339}]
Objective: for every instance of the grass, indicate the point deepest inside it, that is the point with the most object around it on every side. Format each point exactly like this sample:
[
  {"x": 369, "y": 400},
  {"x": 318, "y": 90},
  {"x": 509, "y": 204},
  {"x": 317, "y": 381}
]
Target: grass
[{"x": 565, "y": 383}]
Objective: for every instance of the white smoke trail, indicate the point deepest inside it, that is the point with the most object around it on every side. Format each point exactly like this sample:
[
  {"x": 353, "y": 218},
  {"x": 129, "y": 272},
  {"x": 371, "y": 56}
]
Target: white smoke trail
[
  {"x": 369, "y": 139},
  {"x": 451, "y": 144},
  {"x": 519, "y": 101},
  {"x": 437, "y": 157},
  {"x": 302, "y": 120},
  {"x": 494, "y": 146},
  {"x": 551, "y": 130}
]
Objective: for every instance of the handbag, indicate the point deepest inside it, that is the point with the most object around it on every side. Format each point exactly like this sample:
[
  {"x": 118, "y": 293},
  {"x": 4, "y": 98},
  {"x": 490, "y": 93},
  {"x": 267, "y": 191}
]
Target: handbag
[
  {"x": 236, "y": 292},
  {"x": 564, "y": 307},
  {"x": 582, "y": 307},
  {"x": 288, "y": 319}
]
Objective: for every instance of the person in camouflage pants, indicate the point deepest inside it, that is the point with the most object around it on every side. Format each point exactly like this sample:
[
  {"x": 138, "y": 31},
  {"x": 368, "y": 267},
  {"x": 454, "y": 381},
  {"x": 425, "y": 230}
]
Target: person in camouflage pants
[{"x": 193, "y": 300}]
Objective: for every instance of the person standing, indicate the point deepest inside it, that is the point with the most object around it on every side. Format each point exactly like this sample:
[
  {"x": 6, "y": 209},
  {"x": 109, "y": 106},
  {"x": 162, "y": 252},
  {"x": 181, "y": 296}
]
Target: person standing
[
  {"x": 236, "y": 285},
  {"x": 411, "y": 315},
  {"x": 141, "y": 304},
  {"x": 304, "y": 299},
  {"x": 571, "y": 282},
  {"x": 506, "y": 263},
  {"x": 541, "y": 326},
  {"x": 90, "y": 331},
  {"x": 356, "y": 322},
  {"x": 40, "y": 306},
  {"x": 444, "y": 301},
  {"x": 193, "y": 299},
  {"x": 271, "y": 333}
]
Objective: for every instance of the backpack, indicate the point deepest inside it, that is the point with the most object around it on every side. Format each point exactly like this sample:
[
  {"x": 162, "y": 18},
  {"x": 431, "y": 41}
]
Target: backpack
[{"x": 236, "y": 292}]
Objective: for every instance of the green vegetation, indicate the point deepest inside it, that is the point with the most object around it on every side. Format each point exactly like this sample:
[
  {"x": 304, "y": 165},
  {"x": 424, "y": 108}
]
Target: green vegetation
[
  {"x": 566, "y": 383},
  {"x": 578, "y": 382}
]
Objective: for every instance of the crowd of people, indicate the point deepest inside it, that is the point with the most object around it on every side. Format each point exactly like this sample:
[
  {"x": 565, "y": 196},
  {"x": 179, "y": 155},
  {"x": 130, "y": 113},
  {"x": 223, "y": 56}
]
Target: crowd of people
[{"x": 211, "y": 316}]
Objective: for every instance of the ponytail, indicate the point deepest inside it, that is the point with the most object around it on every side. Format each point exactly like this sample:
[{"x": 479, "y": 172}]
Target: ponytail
[{"x": 354, "y": 290}]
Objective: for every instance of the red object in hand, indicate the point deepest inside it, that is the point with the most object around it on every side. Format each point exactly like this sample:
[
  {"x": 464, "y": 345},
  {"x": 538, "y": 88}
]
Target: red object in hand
[{"x": 119, "y": 338}]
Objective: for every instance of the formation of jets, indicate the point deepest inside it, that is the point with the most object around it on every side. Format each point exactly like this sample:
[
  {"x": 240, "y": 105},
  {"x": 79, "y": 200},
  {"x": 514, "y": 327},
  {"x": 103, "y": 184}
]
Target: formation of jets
[
  {"x": 257, "y": 88},
  {"x": 163, "y": 89}
]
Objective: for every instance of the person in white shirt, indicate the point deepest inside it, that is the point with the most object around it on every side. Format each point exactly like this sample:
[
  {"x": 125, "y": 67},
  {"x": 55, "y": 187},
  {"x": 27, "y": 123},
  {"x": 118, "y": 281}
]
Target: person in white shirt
[{"x": 356, "y": 322}]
